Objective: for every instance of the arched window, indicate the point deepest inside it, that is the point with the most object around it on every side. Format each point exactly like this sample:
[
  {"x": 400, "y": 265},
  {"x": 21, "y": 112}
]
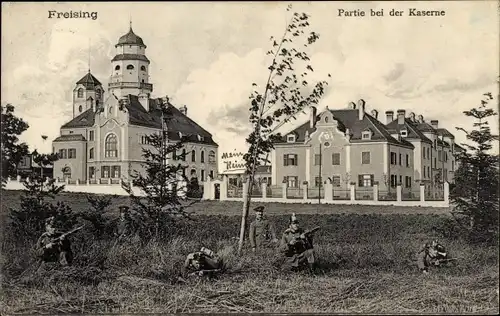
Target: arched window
[
  {"x": 91, "y": 153},
  {"x": 110, "y": 110},
  {"x": 80, "y": 93},
  {"x": 202, "y": 156},
  {"x": 143, "y": 68},
  {"x": 67, "y": 172},
  {"x": 193, "y": 155},
  {"x": 98, "y": 93},
  {"x": 142, "y": 80},
  {"x": 111, "y": 146},
  {"x": 211, "y": 156},
  {"x": 80, "y": 108},
  {"x": 117, "y": 67},
  {"x": 130, "y": 67}
]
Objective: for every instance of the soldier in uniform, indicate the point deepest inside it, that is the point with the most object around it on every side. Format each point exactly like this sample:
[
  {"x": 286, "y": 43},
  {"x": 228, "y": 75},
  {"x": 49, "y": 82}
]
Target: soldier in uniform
[
  {"x": 51, "y": 248},
  {"x": 431, "y": 254},
  {"x": 297, "y": 247},
  {"x": 203, "y": 262},
  {"x": 262, "y": 232},
  {"x": 123, "y": 226}
]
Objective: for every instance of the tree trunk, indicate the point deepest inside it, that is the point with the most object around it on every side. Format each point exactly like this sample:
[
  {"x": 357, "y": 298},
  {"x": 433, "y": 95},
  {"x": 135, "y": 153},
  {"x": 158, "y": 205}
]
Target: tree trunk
[{"x": 244, "y": 215}]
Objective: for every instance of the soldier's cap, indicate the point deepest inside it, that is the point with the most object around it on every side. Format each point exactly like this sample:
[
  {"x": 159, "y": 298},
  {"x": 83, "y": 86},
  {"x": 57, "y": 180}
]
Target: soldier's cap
[
  {"x": 49, "y": 220},
  {"x": 293, "y": 219},
  {"x": 259, "y": 209}
]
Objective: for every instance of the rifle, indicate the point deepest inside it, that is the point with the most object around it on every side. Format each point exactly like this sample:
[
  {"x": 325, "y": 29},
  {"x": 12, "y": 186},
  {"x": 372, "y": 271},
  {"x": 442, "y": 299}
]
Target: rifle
[
  {"x": 311, "y": 231},
  {"x": 203, "y": 272},
  {"x": 55, "y": 240}
]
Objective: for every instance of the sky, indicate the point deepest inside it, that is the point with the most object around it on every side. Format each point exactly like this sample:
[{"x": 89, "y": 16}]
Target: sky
[{"x": 206, "y": 56}]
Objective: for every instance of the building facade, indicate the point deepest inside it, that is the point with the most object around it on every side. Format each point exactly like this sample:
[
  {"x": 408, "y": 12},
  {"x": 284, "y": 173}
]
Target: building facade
[
  {"x": 104, "y": 139},
  {"x": 352, "y": 146}
]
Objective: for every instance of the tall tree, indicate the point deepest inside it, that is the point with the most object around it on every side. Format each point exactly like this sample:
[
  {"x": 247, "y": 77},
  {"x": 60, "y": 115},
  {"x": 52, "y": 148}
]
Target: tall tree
[
  {"x": 285, "y": 94},
  {"x": 12, "y": 151},
  {"x": 475, "y": 193},
  {"x": 160, "y": 181}
]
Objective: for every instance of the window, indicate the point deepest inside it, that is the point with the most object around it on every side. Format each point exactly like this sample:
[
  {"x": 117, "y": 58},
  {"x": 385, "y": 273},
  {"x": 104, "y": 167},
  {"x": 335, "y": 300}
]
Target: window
[
  {"x": 193, "y": 155},
  {"x": 98, "y": 93},
  {"x": 91, "y": 153},
  {"x": 211, "y": 174},
  {"x": 424, "y": 152},
  {"x": 439, "y": 155},
  {"x": 336, "y": 159},
  {"x": 407, "y": 182},
  {"x": 62, "y": 154},
  {"x": 404, "y": 133},
  {"x": 292, "y": 181},
  {"x": 317, "y": 160},
  {"x": 435, "y": 164},
  {"x": 407, "y": 160},
  {"x": 72, "y": 153},
  {"x": 326, "y": 119},
  {"x": 91, "y": 172},
  {"x": 202, "y": 175},
  {"x": 202, "y": 157},
  {"x": 105, "y": 172},
  {"x": 400, "y": 159},
  {"x": 117, "y": 67},
  {"x": 111, "y": 146},
  {"x": 290, "y": 138},
  {"x": 67, "y": 172},
  {"x": 366, "y": 135},
  {"x": 143, "y": 68},
  {"x": 71, "y": 132},
  {"x": 110, "y": 110},
  {"x": 317, "y": 182},
  {"x": 80, "y": 109},
  {"x": 394, "y": 180},
  {"x": 91, "y": 135},
  {"x": 80, "y": 93},
  {"x": 365, "y": 180},
  {"x": 290, "y": 159},
  {"x": 336, "y": 181},
  {"x": 211, "y": 156},
  {"x": 394, "y": 159},
  {"x": 452, "y": 165},
  {"x": 424, "y": 172},
  {"x": 115, "y": 171},
  {"x": 400, "y": 180},
  {"x": 130, "y": 67},
  {"x": 428, "y": 171},
  {"x": 365, "y": 157},
  {"x": 174, "y": 155},
  {"x": 428, "y": 153}
]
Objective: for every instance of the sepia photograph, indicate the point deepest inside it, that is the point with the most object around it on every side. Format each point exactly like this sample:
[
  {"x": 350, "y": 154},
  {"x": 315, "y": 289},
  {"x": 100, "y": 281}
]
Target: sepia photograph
[{"x": 336, "y": 157}]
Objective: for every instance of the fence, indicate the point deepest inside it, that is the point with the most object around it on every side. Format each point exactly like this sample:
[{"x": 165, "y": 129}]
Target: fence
[{"x": 330, "y": 194}]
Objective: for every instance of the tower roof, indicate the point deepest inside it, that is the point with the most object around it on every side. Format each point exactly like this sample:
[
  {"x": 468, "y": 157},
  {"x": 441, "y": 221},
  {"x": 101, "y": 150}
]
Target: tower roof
[
  {"x": 131, "y": 38},
  {"x": 89, "y": 81}
]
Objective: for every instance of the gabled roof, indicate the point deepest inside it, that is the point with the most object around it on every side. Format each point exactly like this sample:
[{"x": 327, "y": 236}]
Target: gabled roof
[
  {"x": 348, "y": 118},
  {"x": 131, "y": 38},
  {"x": 411, "y": 127},
  {"x": 190, "y": 130},
  {"x": 89, "y": 81},
  {"x": 444, "y": 132},
  {"x": 70, "y": 138},
  {"x": 86, "y": 119}
]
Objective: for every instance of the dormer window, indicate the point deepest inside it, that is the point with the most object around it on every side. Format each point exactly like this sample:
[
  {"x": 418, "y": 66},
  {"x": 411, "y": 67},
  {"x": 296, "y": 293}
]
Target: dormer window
[
  {"x": 366, "y": 135},
  {"x": 130, "y": 67},
  {"x": 117, "y": 67},
  {"x": 404, "y": 133},
  {"x": 200, "y": 138},
  {"x": 143, "y": 68},
  {"x": 290, "y": 138}
]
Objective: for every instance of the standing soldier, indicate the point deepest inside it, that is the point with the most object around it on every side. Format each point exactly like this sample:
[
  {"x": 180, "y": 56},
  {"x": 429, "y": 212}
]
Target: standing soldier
[
  {"x": 262, "y": 232},
  {"x": 53, "y": 246},
  {"x": 297, "y": 246},
  {"x": 123, "y": 226},
  {"x": 203, "y": 262},
  {"x": 431, "y": 254}
]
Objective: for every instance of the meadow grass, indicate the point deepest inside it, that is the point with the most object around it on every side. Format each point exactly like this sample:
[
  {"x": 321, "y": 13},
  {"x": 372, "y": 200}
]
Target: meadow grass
[{"x": 366, "y": 265}]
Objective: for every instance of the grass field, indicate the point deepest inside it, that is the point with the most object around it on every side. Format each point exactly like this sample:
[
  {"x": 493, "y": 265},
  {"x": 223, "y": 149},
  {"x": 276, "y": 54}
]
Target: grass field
[{"x": 365, "y": 256}]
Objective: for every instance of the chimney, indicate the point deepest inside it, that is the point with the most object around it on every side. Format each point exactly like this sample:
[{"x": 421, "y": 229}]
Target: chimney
[
  {"x": 412, "y": 117},
  {"x": 434, "y": 124},
  {"x": 375, "y": 114},
  {"x": 401, "y": 117},
  {"x": 421, "y": 119},
  {"x": 361, "y": 109},
  {"x": 184, "y": 109},
  {"x": 312, "y": 119},
  {"x": 389, "y": 116},
  {"x": 351, "y": 106},
  {"x": 144, "y": 101}
]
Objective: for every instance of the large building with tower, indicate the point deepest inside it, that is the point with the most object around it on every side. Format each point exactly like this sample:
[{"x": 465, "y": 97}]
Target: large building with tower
[{"x": 103, "y": 141}]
